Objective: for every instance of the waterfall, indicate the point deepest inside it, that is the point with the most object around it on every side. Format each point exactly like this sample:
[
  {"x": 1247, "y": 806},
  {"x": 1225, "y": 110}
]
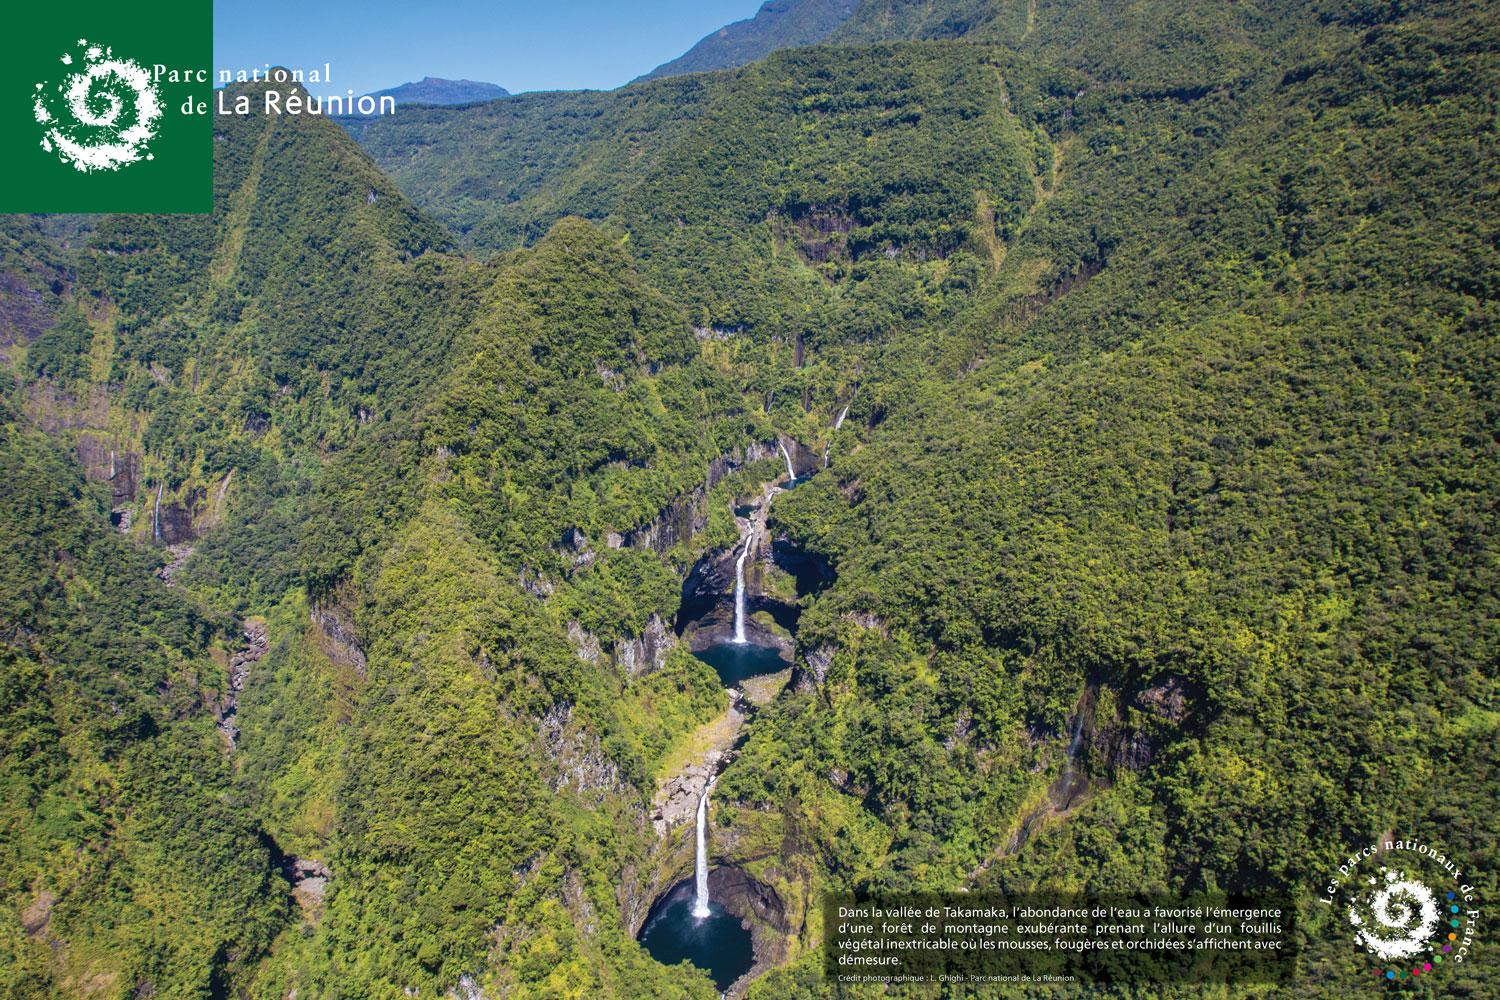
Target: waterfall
[
  {"x": 700, "y": 898},
  {"x": 842, "y": 414},
  {"x": 1077, "y": 736},
  {"x": 156, "y": 515},
  {"x": 739, "y": 586},
  {"x": 791, "y": 474}
]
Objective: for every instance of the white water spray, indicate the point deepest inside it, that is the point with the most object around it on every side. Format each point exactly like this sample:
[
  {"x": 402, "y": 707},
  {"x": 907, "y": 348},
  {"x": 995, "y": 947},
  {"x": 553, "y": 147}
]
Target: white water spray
[
  {"x": 700, "y": 897},
  {"x": 156, "y": 515},
  {"x": 739, "y": 587},
  {"x": 1077, "y": 736},
  {"x": 842, "y": 414},
  {"x": 791, "y": 474}
]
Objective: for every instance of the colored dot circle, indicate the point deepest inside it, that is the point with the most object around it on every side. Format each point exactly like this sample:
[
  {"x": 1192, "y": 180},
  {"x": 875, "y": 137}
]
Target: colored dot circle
[
  {"x": 1391, "y": 974},
  {"x": 1453, "y": 923},
  {"x": 1438, "y": 959},
  {"x": 1450, "y": 895},
  {"x": 1452, "y": 937},
  {"x": 1452, "y": 909},
  {"x": 1426, "y": 966},
  {"x": 1448, "y": 947}
]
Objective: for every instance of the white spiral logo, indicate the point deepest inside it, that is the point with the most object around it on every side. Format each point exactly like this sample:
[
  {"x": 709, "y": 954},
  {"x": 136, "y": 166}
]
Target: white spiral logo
[
  {"x": 1396, "y": 919},
  {"x": 102, "y": 117}
]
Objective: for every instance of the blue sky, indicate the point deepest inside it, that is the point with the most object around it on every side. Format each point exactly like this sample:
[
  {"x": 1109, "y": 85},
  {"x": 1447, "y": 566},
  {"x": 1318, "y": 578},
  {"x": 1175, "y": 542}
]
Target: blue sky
[{"x": 540, "y": 45}]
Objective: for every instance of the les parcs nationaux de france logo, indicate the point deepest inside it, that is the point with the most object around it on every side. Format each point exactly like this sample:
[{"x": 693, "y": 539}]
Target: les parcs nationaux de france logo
[
  {"x": 1407, "y": 906},
  {"x": 98, "y": 112}
]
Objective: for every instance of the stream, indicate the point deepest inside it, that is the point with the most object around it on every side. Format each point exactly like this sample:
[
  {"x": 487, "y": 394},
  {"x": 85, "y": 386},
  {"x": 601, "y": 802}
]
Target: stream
[{"x": 686, "y": 923}]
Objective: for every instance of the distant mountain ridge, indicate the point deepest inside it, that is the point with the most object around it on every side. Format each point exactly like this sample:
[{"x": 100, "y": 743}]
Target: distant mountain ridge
[
  {"x": 435, "y": 90},
  {"x": 779, "y": 24}
]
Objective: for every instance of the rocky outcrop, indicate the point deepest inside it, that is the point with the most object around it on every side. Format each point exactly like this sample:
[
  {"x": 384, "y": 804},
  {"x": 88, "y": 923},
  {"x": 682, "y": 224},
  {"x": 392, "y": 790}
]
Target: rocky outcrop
[
  {"x": 240, "y": 664},
  {"x": 177, "y": 557},
  {"x": 760, "y": 910},
  {"x": 646, "y": 653},
  {"x": 535, "y": 584},
  {"x": 25, "y": 312},
  {"x": 309, "y": 878},
  {"x": 574, "y": 547},
  {"x": 815, "y": 673},
  {"x": 38, "y": 914},
  {"x": 580, "y": 763},
  {"x": 181, "y": 520},
  {"x": 337, "y": 636},
  {"x": 677, "y": 800},
  {"x": 688, "y": 514},
  {"x": 1132, "y": 741},
  {"x": 636, "y": 657},
  {"x": 681, "y": 520},
  {"x": 104, "y": 460},
  {"x": 585, "y": 644}
]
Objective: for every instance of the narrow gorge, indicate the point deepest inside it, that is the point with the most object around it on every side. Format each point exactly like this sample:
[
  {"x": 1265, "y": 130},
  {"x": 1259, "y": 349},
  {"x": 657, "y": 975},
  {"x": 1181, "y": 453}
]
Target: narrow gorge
[{"x": 722, "y": 919}]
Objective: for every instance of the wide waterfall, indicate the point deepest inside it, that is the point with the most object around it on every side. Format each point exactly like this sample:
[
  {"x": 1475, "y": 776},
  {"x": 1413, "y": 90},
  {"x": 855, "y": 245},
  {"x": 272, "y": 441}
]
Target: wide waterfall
[
  {"x": 791, "y": 474},
  {"x": 739, "y": 586},
  {"x": 700, "y": 898}
]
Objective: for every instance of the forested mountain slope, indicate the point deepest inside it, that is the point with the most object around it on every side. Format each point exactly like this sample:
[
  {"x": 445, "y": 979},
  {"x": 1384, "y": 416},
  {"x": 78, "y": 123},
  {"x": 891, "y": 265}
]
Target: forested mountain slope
[
  {"x": 259, "y": 397},
  {"x": 1140, "y": 361},
  {"x": 435, "y": 90},
  {"x": 779, "y": 24}
]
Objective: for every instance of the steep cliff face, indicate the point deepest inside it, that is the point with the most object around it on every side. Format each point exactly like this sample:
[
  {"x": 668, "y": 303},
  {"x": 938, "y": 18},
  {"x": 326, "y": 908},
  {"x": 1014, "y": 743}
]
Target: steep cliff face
[
  {"x": 645, "y": 654},
  {"x": 687, "y": 516}
]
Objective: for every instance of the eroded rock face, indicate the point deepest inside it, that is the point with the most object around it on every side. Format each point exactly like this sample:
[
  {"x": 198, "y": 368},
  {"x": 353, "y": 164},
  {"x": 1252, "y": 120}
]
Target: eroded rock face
[
  {"x": 581, "y": 764},
  {"x": 240, "y": 664},
  {"x": 816, "y": 671},
  {"x": 682, "y": 519},
  {"x": 339, "y": 637},
  {"x": 585, "y": 643},
  {"x": 1166, "y": 701},
  {"x": 758, "y": 907},
  {"x": 1163, "y": 709},
  {"x": 706, "y": 614},
  {"x": 688, "y": 515},
  {"x": 647, "y": 653},
  {"x": 102, "y": 459},
  {"x": 677, "y": 800},
  {"x": 25, "y": 312},
  {"x": 309, "y": 878},
  {"x": 573, "y": 545}
]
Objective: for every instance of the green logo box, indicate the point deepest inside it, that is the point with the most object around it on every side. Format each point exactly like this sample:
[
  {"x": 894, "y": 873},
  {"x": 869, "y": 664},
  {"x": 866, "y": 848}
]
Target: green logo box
[{"x": 106, "y": 130}]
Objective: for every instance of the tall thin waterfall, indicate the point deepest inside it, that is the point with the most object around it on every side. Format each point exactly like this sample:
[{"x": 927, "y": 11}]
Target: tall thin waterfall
[
  {"x": 739, "y": 586},
  {"x": 700, "y": 897},
  {"x": 156, "y": 515},
  {"x": 842, "y": 414},
  {"x": 791, "y": 474}
]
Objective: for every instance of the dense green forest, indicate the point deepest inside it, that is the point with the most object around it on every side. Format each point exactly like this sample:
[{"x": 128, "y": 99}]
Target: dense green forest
[{"x": 1166, "y": 335}]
